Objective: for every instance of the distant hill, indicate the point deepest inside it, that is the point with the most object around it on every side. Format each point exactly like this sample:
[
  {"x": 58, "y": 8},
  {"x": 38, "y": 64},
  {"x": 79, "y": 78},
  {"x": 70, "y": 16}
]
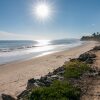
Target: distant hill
[{"x": 94, "y": 36}]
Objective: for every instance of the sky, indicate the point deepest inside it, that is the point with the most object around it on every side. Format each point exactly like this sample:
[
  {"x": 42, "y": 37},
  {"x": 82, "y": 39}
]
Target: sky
[{"x": 68, "y": 19}]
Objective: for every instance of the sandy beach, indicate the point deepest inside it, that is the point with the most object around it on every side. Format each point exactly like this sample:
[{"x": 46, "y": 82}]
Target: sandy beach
[{"x": 14, "y": 76}]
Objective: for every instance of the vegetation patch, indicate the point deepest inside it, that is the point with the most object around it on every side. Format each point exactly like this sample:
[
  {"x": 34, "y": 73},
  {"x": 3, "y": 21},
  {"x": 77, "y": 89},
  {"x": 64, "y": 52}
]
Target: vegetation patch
[
  {"x": 75, "y": 69},
  {"x": 57, "y": 91}
]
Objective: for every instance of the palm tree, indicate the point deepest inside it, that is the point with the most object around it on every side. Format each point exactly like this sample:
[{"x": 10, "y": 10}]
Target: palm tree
[{"x": 94, "y": 34}]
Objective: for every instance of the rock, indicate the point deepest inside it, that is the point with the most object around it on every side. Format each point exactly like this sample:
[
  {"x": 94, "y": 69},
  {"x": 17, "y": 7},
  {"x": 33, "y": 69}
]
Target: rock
[
  {"x": 73, "y": 59},
  {"x": 96, "y": 48},
  {"x": 99, "y": 73},
  {"x": 58, "y": 70},
  {"x": 38, "y": 84},
  {"x": 60, "y": 73},
  {"x": 42, "y": 79},
  {"x": 93, "y": 74},
  {"x": 54, "y": 76},
  {"x": 88, "y": 57},
  {"x": 83, "y": 57},
  {"x": 30, "y": 83},
  {"x": 23, "y": 94},
  {"x": 48, "y": 81},
  {"x": 91, "y": 55},
  {"x": 31, "y": 80},
  {"x": 35, "y": 85},
  {"x": 7, "y": 97},
  {"x": 61, "y": 78},
  {"x": 89, "y": 61},
  {"x": 49, "y": 74}
]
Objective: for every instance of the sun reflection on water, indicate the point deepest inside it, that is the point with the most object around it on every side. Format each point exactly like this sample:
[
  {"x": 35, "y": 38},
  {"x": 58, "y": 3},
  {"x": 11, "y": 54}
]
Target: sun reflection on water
[
  {"x": 42, "y": 42},
  {"x": 42, "y": 46}
]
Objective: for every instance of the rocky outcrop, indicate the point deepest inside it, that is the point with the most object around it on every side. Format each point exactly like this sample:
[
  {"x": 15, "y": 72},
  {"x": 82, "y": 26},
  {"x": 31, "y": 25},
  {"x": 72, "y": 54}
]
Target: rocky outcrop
[
  {"x": 43, "y": 81},
  {"x": 96, "y": 48},
  {"x": 7, "y": 97},
  {"x": 47, "y": 79},
  {"x": 87, "y": 57}
]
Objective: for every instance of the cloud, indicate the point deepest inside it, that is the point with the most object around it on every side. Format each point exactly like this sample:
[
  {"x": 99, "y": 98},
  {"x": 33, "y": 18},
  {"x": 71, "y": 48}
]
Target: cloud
[{"x": 15, "y": 36}]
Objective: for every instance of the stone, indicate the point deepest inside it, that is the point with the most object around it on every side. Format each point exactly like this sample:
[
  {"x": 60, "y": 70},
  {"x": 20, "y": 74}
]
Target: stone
[
  {"x": 89, "y": 61},
  {"x": 96, "y": 48},
  {"x": 83, "y": 57},
  {"x": 61, "y": 78},
  {"x": 50, "y": 74},
  {"x": 23, "y": 94},
  {"x": 30, "y": 83},
  {"x": 58, "y": 70},
  {"x": 60, "y": 73},
  {"x": 87, "y": 57},
  {"x": 42, "y": 79},
  {"x": 38, "y": 84},
  {"x": 7, "y": 97},
  {"x": 73, "y": 59},
  {"x": 93, "y": 74},
  {"x": 99, "y": 73},
  {"x": 31, "y": 80}
]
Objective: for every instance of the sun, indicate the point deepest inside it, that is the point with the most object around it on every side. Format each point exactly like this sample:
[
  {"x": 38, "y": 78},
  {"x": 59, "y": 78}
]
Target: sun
[{"x": 42, "y": 11}]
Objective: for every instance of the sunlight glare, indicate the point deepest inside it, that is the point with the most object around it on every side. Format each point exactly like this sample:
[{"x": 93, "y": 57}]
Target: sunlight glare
[
  {"x": 43, "y": 42},
  {"x": 43, "y": 10}
]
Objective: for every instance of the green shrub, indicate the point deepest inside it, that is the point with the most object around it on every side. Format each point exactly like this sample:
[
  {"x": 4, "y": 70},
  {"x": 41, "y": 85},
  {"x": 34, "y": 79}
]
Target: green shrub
[
  {"x": 57, "y": 91},
  {"x": 75, "y": 69}
]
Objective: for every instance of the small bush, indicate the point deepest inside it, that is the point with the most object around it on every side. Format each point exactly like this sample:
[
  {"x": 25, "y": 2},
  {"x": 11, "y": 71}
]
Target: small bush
[
  {"x": 57, "y": 91},
  {"x": 75, "y": 69}
]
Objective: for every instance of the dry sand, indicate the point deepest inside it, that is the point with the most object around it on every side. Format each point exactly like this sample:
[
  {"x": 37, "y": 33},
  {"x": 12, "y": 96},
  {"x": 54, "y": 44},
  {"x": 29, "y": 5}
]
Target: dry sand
[{"x": 14, "y": 76}]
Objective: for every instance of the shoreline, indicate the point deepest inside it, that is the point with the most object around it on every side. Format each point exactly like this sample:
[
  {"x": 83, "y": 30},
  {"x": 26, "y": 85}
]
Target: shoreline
[
  {"x": 39, "y": 54},
  {"x": 47, "y": 53},
  {"x": 11, "y": 54},
  {"x": 14, "y": 76}
]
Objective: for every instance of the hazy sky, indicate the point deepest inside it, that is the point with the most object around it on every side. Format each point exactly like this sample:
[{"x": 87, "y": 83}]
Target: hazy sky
[{"x": 68, "y": 19}]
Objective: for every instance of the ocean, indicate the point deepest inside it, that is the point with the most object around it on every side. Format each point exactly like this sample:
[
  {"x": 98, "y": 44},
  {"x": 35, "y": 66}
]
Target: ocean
[{"x": 17, "y": 50}]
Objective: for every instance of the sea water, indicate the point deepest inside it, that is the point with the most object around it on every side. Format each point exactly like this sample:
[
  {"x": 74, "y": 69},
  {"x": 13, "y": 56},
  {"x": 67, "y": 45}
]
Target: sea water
[{"x": 17, "y": 50}]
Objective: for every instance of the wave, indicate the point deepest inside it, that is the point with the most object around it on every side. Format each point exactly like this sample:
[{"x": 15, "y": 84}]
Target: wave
[
  {"x": 20, "y": 50},
  {"x": 12, "y": 45}
]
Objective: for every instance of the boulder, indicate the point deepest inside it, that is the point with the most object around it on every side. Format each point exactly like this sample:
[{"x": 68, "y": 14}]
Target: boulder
[
  {"x": 23, "y": 94},
  {"x": 58, "y": 70},
  {"x": 96, "y": 48},
  {"x": 30, "y": 83},
  {"x": 31, "y": 80},
  {"x": 87, "y": 57},
  {"x": 38, "y": 84},
  {"x": 42, "y": 79},
  {"x": 50, "y": 74},
  {"x": 60, "y": 73},
  {"x": 7, "y": 97},
  {"x": 89, "y": 61},
  {"x": 48, "y": 81},
  {"x": 73, "y": 59}
]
